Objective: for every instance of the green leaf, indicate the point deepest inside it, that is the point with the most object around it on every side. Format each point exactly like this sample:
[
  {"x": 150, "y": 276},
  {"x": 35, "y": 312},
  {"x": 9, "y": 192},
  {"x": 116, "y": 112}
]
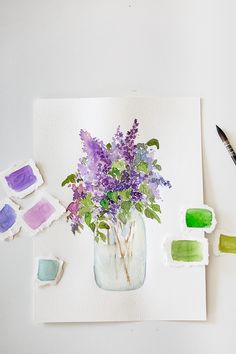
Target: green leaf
[
  {"x": 126, "y": 205},
  {"x": 88, "y": 218},
  {"x": 143, "y": 188},
  {"x": 155, "y": 164},
  {"x": 69, "y": 179},
  {"x": 149, "y": 213},
  {"x": 156, "y": 207},
  {"x": 96, "y": 238},
  {"x": 119, "y": 165},
  {"x": 139, "y": 206},
  {"x": 125, "y": 194},
  {"x": 104, "y": 203},
  {"x": 113, "y": 196},
  {"x": 142, "y": 146},
  {"x": 153, "y": 142},
  {"x": 143, "y": 167},
  {"x": 83, "y": 210},
  {"x": 122, "y": 217},
  {"x": 87, "y": 201},
  {"x": 92, "y": 226},
  {"x": 114, "y": 172},
  {"x": 108, "y": 146},
  {"x": 103, "y": 225},
  {"x": 102, "y": 236}
]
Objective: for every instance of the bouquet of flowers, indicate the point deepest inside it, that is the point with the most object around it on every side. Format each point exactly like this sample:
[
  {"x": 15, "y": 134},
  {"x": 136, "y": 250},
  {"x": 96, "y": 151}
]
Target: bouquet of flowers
[{"x": 112, "y": 179}]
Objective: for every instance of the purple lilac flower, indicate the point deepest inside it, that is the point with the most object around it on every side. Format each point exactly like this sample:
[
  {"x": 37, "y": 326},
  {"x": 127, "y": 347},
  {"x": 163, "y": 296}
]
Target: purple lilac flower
[
  {"x": 129, "y": 143},
  {"x": 95, "y": 178}
]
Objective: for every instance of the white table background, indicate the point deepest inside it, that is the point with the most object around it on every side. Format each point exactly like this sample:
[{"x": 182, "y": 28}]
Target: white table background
[{"x": 114, "y": 48}]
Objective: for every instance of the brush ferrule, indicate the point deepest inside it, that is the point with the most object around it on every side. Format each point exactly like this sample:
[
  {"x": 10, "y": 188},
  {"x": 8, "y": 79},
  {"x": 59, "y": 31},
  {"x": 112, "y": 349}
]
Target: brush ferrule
[{"x": 229, "y": 148}]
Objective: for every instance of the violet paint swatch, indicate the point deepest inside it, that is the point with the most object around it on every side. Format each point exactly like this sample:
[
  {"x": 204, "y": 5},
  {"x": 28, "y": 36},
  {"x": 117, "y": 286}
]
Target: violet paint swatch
[
  {"x": 7, "y": 218},
  {"x": 21, "y": 179},
  {"x": 38, "y": 214}
]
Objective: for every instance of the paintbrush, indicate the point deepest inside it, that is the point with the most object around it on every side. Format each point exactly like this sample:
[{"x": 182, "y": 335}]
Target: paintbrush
[{"x": 227, "y": 144}]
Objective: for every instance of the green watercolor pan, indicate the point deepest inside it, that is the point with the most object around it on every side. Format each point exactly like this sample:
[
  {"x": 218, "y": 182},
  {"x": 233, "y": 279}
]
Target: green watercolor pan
[
  {"x": 198, "y": 217},
  {"x": 225, "y": 244},
  {"x": 186, "y": 251}
]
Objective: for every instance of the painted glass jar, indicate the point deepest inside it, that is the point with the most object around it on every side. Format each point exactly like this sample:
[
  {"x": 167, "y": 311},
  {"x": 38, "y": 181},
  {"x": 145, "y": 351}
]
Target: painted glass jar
[{"x": 120, "y": 262}]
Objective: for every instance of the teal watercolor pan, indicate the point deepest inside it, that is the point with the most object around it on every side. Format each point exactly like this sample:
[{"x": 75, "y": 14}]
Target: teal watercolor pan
[{"x": 48, "y": 270}]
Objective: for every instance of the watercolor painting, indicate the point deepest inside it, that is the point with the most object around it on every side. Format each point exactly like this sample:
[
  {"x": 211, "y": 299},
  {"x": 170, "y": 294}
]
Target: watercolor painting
[
  {"x": 9, "y": 219},
  {"x": 49, "y": 270},
  {"x": 186, "y": 251},
  {"x": 21, "y": 179},
  {"x": 41, "y": 213},
  {"x": 115, "y": 185},
  {"x": 200, "y": 217}
]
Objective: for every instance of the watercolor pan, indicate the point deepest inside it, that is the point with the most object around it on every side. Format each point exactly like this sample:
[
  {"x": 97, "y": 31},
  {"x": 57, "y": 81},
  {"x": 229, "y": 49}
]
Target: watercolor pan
[
  {"x": 198, "y": 217},
  {"x": 41, "y": 213},
  {"x": 21, "y": 179},
  {"x": 186, "y": 251},
  {"x": 9, "y": 219},
  {"x": 49, "y": 270},
  {"x": 224, "y": 244}
]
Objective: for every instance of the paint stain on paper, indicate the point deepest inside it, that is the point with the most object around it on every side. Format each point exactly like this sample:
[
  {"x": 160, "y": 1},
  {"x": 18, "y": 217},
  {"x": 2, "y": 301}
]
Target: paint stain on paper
[
  {"x": 198, "y": 217},
  {"x": 227, "y": 244},
  {"x": 21, "y": 179},
  {"x": 186, "y": 251},
  {"x": 7, "y": 218},
  {"x": 38, "y": 214}
]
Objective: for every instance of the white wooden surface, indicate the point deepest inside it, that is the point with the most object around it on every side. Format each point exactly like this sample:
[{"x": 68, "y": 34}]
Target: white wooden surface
[{"x": 114, "y": 48}]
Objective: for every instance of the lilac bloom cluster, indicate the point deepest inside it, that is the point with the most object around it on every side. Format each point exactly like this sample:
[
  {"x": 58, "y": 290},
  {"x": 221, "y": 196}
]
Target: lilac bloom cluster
[{"x": 112, "y": 179}]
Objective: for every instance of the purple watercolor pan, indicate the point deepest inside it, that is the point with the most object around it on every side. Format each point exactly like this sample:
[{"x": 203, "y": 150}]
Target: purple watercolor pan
[
  {"x": 9, "y": 220},
  {"x": 42, "y": 212},
  {"x": 21, "y": 179},
  {"x": 39, "y": 214}
]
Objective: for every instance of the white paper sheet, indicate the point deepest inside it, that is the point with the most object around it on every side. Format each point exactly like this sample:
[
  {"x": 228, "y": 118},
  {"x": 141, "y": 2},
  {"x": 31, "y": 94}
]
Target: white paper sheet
[{"x": 168, "y": 293}]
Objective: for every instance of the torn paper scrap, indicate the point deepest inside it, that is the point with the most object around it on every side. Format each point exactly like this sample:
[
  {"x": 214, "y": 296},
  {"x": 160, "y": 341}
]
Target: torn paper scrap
[
  {"x": 49, "y": 270},
  {"x": 21, "y": 179},
  {"x": 186, "y": 251},
  {"x": 9, "y": 219},
  {"x": 198, "y": 218},
  {"x": 41, "y": 213}
]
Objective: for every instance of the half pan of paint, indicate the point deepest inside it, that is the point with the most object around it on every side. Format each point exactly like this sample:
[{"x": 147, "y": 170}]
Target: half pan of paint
[
  {"x": 21, "y": 179},
  {"x": 48, "y": 270},
  {"x": 186, "y": 251},
  {"x": 9, "y": 219},
  {"x": 199, "y": 218}
]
